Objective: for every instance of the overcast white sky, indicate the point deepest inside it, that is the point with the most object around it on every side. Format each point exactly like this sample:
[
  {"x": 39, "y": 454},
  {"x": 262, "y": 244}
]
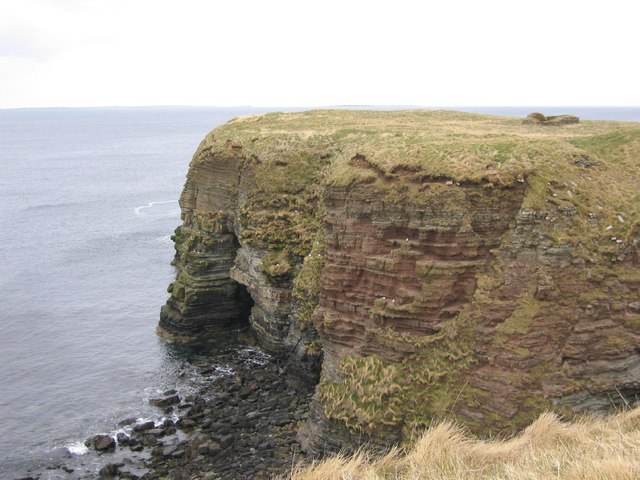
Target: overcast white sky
[{"x": 314, "y": 53}]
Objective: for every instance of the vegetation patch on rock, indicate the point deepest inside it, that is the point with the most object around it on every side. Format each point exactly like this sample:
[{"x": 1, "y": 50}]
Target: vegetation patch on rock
[{"x": 374, "y": 394}]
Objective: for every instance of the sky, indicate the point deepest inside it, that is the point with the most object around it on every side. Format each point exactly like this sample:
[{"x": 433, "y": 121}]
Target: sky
[{"x": 70, "y": 53}]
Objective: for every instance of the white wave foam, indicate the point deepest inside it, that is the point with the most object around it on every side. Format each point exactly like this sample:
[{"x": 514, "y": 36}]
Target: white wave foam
[
  {"x": 77, "y": 448},
  {"x": 138, "y": 210},
  {"x": 254, "y": 356}
]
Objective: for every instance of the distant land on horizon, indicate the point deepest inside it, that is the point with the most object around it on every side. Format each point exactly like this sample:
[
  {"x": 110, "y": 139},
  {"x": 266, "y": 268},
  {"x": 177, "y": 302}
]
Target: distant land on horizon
[{"x": 616, "y": 113}]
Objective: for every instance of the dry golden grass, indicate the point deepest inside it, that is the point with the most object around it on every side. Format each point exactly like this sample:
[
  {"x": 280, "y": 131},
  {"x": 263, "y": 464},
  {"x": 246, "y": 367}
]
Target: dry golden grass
[
  {"x": 421, "y": 144},
  {"x": 319, "y": 147},
  {"x": 588, "y": 448}
]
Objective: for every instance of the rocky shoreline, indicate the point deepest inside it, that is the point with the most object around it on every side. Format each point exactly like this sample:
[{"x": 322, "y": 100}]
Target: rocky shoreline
[{"x": 231, "y": 416}]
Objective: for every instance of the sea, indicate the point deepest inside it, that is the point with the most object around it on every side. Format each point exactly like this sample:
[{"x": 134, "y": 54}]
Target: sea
[{"x": 88, "y": 202}]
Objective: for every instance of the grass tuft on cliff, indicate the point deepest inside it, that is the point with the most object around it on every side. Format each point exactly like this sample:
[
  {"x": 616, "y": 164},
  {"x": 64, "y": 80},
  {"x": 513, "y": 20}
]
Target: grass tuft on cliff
[{"x": 588, "y": 448}]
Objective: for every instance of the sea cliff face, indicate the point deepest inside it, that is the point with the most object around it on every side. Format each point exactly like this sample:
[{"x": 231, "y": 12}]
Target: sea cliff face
[
  {"x": 203, "y": 296},
  {"x": 440, "y": 264}
]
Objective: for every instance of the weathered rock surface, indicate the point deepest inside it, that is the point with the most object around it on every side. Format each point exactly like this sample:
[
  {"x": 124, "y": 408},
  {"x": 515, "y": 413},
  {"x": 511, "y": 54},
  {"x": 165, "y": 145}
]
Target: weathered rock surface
[
  {"x": 165, "y": 401},
  {"x": 102, "y": 442},
  {"x": 242, "y": 424},
  {"x": 441, "y": 264},
  {"x": 226, "y": 278},
  {"x": 203, "y": 297}
]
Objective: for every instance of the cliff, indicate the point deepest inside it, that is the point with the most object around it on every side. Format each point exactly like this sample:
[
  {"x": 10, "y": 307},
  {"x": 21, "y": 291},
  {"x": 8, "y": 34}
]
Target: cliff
[{"x": 440, "y": 264}]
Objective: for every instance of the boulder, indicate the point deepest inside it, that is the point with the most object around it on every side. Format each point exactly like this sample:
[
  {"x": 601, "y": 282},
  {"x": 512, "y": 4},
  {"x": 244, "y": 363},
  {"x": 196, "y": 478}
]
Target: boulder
[
  {"x": 110, "y": 470},
  {"x": 103, "y": 443},
  {"x": 144, "y": 426},
  {"x": 165, "y": 402},
  {"x": 122, "y": 438}
]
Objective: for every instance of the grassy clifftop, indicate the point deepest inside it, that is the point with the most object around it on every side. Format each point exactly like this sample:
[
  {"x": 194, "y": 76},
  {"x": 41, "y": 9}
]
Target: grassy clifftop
[
  {"x": 460, "y": 146},
  {"x": 591, "y": 166}
]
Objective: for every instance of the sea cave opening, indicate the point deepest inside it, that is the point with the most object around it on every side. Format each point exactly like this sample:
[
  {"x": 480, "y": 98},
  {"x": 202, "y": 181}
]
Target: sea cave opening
[{"x": 244, "y": 303}]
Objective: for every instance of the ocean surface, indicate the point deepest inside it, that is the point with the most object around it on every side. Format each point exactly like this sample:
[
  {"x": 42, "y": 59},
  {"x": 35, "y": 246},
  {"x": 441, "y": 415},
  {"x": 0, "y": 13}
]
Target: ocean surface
[{"x": 88, "y": 201}]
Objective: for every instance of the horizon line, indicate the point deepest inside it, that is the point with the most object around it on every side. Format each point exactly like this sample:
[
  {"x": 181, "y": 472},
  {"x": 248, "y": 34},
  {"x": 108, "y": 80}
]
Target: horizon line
[{"x": 316, "y": 107}]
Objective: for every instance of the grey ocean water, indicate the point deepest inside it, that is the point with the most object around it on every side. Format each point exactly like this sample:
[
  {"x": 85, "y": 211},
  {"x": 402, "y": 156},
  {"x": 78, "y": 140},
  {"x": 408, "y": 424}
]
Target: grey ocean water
[{"x": 88, "y": 201}]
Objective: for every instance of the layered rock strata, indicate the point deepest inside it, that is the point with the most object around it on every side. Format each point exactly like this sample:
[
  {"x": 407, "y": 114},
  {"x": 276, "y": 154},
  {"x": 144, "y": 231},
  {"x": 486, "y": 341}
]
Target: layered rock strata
[
  {"x": 204, "y": 298},
  {"x": 441, "y": 264},
  {"x": 242, "y": 241},
  {"x": 465, "y": 309}
]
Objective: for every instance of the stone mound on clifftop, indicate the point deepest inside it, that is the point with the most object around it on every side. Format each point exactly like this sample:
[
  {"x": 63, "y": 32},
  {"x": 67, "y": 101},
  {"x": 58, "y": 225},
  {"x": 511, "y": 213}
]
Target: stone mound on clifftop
[{"x": 537, "y": 118}]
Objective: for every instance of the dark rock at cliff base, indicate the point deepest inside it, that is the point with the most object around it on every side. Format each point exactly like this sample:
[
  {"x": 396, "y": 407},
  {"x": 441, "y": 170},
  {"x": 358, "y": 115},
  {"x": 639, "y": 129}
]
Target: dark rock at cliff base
[
  {"x": 149, "y": 440},
  {"x": 185, "y": 423},
  {"x": 537, "y": 118},
  {"x": 165, "y": 402},
  {"x": 133, "y": 471},
  {"x": 103, "y": 443},
  {"x": 144, "y": 426},
  {"x": 127, "y": 421},
  {"x": 238, "y": 426},
  {"x": 110, "y": 470},
  {"x": 178, "y": 454}
]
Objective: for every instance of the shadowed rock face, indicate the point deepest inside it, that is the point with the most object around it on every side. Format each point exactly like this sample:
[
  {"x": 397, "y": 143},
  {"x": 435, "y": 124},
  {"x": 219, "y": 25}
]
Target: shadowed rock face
[
  {"x": 204, "y": 298},
  {"x": 449, "y": 265},
  {"x": 220, "y": 283}
]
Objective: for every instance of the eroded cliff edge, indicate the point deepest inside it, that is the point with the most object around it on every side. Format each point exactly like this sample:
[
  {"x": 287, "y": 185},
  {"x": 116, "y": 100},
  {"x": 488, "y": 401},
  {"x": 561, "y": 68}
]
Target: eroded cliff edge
[{"x": 440, "y": 263}]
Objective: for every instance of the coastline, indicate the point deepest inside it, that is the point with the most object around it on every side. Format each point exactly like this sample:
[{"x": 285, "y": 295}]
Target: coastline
[
  {"x": 233, "y": 415},
  {"x": 59, "y": 455}
]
